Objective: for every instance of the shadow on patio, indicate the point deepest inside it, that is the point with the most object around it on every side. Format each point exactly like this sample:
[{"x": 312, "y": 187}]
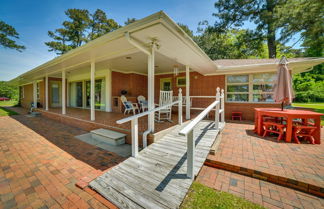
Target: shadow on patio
[{"x": 62, "y": 136}]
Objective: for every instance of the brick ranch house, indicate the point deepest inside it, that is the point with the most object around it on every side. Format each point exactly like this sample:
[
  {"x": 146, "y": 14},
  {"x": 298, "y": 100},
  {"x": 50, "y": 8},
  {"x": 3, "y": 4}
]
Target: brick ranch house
[{"x": 142, "y": 58}]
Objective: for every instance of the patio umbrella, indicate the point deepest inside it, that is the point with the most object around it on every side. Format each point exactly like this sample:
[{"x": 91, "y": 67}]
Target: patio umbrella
[{"x": 283, "y": 90}]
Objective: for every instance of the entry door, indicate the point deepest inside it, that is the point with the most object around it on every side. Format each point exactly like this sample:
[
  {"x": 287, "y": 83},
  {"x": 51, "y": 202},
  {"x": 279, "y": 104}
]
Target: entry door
[
  {"x": 56, "y": 94},
  {"x": 166, "y": 84}
]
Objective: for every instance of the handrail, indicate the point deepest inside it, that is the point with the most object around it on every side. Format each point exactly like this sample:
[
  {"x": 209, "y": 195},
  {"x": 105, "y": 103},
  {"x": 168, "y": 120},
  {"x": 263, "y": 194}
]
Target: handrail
[
  {"x": 134, "y": 123},
  {"x": 188, "y": 129},
  {"x": 124, "y": 120},
  {"x": 195, "y": 121}
]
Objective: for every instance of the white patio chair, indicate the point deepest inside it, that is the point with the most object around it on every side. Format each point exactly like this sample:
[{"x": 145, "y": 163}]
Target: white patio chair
[
  {"x": 129, "y": 106},
  {"x": 165, "y": 113},
  {"x": 142, "y": 102}
]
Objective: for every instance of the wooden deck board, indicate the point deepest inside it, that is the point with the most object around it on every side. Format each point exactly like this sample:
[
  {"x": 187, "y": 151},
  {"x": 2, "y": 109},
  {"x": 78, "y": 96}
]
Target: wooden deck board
[{"x": 157, "y": 177}]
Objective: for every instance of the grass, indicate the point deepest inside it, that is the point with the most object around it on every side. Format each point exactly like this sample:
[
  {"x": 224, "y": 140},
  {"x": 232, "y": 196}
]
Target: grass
[
  {"x": 317, "y": 107},
  {"x": 200, "y": 196},
  {"x": 7, "y": 112}
]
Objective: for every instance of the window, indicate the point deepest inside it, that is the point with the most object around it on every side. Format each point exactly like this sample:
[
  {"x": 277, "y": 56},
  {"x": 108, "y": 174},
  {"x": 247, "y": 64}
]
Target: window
[
  {"x": 237, "y": 88},
  {"x": 250, "y": 87},
  {"x": 181, "y": 81}
]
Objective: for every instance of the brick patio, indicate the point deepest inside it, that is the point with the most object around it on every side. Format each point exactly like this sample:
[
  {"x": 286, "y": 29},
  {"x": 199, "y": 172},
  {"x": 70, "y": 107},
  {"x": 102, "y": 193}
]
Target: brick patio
[
  {"x": 261, "y": 192},
  {"x": 41, "y": 161},
  {"x": 299, "y": 166}
]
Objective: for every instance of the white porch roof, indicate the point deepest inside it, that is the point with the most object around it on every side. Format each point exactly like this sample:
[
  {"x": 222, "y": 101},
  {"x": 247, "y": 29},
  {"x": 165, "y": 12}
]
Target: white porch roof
[
  {"x": 114, "y": 51},
  {"x": 236, "y": 66}
]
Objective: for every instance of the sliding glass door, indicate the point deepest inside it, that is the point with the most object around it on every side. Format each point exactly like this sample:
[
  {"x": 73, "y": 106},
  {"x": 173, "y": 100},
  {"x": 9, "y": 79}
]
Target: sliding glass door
[
  {"x": 99, "y": 94},
  {"x": 76, "y": 95},
  {"x": 80, "y": 94}
]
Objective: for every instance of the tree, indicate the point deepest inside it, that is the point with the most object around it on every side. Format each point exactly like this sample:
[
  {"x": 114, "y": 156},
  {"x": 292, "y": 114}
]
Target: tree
[
  {"x": 8, "y": 91},
  {"x": 304, "y": 17},
  {"x": 186, "y": 29},
  {"x": 232, "y": 44},
  {"x": 129, "y": 21},
  {"x": 81, "y": 28},
  {"x": 7, "y": 33},
  {"x": 100, "y": 25},
  {"x": 233, "y": 14}
]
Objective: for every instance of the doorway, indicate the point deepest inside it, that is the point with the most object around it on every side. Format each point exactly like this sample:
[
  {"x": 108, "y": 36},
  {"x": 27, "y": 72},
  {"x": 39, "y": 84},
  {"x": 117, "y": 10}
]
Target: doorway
[{"x": 55, "y": 87}]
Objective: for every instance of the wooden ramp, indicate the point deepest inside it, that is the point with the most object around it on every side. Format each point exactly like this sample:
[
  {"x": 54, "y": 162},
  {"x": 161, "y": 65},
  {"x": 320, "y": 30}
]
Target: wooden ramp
[{"x": 157, "y": 177}]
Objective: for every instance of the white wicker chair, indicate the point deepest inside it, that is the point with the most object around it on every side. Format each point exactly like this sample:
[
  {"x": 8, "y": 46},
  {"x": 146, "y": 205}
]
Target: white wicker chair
[
  {"x": 129, "y": 106},
  {"x": 142, "y": 102},
  {"x": 164, "y": 114}
]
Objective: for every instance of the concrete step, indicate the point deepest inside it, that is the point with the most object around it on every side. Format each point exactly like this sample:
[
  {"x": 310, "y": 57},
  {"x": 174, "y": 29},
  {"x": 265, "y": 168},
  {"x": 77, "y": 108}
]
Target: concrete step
[{"x": 108, "y": 136}]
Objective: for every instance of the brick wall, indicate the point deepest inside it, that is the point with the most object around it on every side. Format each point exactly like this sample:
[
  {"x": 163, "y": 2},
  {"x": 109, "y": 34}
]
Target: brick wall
[
  {"x": 201, "y": 85},
  {"x": 28, "y": 96},
  {"x": 134, "y": 84},
  {"x": 247, "y": 109}
]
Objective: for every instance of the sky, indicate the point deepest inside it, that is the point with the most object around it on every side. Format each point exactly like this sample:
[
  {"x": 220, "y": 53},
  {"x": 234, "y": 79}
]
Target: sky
[{"x": 34, "y": 18}]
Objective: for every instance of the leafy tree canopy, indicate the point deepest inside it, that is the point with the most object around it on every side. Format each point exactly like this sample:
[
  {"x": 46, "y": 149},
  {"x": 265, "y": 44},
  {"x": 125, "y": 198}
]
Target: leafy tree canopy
[
  {"x": 7, "y": 36},
  {"x": 276, "y": 21},
  {"x": 81, "y": 27},
  {"x": 8, "y": 91}
]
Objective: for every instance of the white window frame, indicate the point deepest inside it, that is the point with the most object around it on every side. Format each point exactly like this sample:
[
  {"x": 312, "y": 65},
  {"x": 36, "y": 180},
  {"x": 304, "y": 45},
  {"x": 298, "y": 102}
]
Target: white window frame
[{"x": 250, "y": 87}]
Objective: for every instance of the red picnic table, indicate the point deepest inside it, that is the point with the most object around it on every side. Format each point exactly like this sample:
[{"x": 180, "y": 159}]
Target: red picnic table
[{"x": 289, "y": 115}]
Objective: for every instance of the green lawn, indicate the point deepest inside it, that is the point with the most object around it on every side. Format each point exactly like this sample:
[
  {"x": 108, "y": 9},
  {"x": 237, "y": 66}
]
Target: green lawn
[
  {"x": 4, "y": 111},
  {"x": 318, "y": 107},
  {"x": 200, "y": 196}
]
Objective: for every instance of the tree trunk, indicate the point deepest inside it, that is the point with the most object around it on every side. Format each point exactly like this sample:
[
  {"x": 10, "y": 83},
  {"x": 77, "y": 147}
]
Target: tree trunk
[
  {"x": 271, "y": 39},
  {"x": 271, "y": 30}
]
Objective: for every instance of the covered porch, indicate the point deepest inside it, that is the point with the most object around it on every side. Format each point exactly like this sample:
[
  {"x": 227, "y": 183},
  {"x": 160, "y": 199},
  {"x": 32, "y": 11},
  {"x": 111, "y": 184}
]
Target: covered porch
[{"x": 87, "y": 82}]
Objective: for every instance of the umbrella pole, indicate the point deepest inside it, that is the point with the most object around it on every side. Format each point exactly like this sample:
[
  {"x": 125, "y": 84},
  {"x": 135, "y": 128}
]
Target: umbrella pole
[{"x": 281, "y": 106}]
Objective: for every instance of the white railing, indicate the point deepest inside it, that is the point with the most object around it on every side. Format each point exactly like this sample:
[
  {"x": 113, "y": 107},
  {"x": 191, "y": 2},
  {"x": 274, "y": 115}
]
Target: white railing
[
  {"x": 188, "y": 129},
  {"x": 134, "y": 122}
]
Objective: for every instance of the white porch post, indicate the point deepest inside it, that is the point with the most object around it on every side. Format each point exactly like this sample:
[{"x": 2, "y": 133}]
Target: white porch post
[
  {"x": 35, "y": 94},
  {"x": 63, "y": 92},
  {"x": 108, "y": 91},
  {"x": 187, "y": 93},
  {"x": 92, "y": 91},
  {"x": 150, "y": 93},
  {"x": 46, "y": 92}
]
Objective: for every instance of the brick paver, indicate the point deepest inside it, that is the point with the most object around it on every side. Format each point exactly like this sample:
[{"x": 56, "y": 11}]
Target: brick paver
[
  {"x": 41, "y": 161},
  {"x": 261, "y": 192},
  {"x": 241, "y": 147}
]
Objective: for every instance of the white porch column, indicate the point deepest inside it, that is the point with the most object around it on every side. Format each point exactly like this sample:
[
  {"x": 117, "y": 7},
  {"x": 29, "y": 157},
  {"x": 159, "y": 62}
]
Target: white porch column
[
  {"x": 46, "y": 92},
  {"x": 150, "y": 89},
  {"x": 108, "y": 91},
  {"x": 187, "y": 93},
  {"x": 35, "y": 94},
  {"x": 92, "y": 91},
  {"x": 63, "y": 92}
]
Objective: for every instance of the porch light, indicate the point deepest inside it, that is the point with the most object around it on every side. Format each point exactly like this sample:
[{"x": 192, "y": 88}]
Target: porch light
[{"x": 175, "y": 70}]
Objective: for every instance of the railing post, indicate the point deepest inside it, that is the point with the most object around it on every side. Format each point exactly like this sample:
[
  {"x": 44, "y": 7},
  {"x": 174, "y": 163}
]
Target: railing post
[
  {"x": 217, "y": 108},
  {"x": 223, "y": 105},
  {"x": 180, "y": 106},
  {"x": 190, "y": 154},
  {"x": 134, "y": 124}
]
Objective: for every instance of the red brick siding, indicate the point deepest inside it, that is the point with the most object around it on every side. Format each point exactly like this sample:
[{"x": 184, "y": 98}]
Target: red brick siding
[
  {"x": 134, "y": 84},
  {"x": 28, "y": 96}
]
